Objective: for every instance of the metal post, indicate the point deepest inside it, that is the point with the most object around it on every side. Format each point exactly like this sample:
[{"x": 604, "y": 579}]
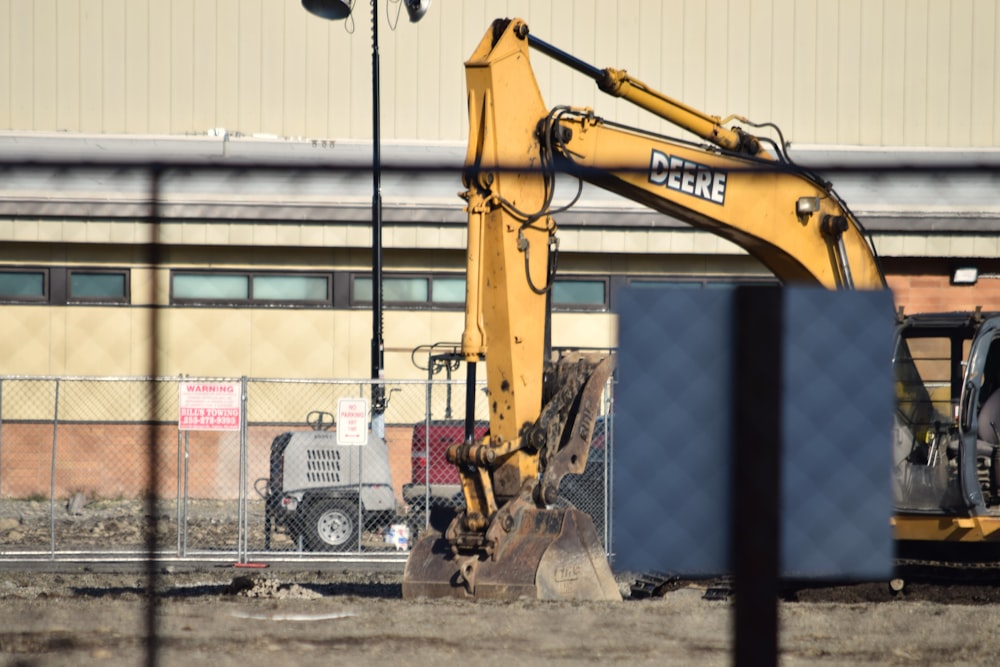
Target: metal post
[
  {"x": 187, "y": 493},
  {"x": 755, "y": 537},
  {"x": 1, "y": 438},
  {"x": 181, "y": 485},
  {"x": 378, "y": 345},
  {"x": 52, "y": 478},
  {"x": 427, "y": 442},
  {"x": 242, "y": 547},
  {"x": 341, "y": 9},
  {"x": 153, "y": 255},
  {"x": 180, "y": 490}
]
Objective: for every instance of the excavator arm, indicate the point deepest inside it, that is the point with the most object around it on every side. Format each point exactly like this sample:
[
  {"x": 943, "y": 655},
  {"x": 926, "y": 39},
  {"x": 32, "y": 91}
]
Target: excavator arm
[
  {"x": 785, "y": 216},
  {"x": 514, "y": 538},
  {"x": 782, "y": 215}
]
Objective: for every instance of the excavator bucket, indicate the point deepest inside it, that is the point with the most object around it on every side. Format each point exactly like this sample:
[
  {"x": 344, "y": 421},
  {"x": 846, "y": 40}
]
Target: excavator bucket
[{"x": 548, "y": 554}]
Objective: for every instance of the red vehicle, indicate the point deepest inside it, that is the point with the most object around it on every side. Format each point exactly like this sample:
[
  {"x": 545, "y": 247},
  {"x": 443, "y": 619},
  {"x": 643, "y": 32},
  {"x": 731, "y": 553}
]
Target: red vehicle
[{"x": 435, "y": 482}]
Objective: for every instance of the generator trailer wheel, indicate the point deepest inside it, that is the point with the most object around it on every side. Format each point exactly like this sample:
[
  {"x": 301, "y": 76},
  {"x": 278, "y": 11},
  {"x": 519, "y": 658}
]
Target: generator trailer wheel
[{"x": 332, "y": 525}]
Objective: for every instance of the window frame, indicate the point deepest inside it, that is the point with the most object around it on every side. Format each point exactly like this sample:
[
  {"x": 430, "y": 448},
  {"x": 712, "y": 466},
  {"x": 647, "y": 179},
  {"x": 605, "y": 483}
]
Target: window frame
[
  {"x": 44, "y": 271},
  {"x": 701, "y": 282},
  {"x": 124, "y": 299},
  {"x": 251, "y": 301},
  {"x": 203, "y": 301},
  {"x": 584, "y": 307},
  {"x": 428, "y": 304},
  {"x": 326, "y": 301}
]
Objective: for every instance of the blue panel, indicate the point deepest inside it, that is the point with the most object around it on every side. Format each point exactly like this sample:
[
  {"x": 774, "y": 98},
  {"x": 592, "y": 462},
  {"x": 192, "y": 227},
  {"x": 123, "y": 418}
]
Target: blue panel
[
  {"x": 672, "y": 430},
  {"x": 837, "y": 434}
]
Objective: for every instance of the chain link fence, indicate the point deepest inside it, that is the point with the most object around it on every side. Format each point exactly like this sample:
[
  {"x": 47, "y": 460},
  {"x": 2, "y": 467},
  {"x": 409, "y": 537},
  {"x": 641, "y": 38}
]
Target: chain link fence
[{"x": 90, "y": 465}]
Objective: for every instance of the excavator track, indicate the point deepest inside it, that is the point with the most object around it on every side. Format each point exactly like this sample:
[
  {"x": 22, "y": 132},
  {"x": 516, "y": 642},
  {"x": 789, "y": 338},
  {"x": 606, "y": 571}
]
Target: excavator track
[{"x": 654, "y": 585}]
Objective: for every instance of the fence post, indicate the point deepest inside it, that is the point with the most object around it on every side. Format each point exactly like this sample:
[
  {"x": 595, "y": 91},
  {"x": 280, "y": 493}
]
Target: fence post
[
  {"x": 187, "y": 494},
  {"x": 180, "y": 490},
  {"x": 242, "y": 537},
  {"x": 180, "y": 484},
  {"x": 427, "y": 445},
  {"x": 52, "y": 473},
  {"x": 609, "y": 462},
  {"x": 1, "y": 437}
]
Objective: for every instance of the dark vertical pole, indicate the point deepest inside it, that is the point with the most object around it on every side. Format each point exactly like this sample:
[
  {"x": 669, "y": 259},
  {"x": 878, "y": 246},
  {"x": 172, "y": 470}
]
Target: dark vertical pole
[
  {"x": 470, "y": 401},
  {"x": 549, "y": 279},
  {"x": 1, "y": 437},
  {"x": 153, "y": 459},
  {"x": 378, "y": 346},
  {"x": 756, "y": 488}
]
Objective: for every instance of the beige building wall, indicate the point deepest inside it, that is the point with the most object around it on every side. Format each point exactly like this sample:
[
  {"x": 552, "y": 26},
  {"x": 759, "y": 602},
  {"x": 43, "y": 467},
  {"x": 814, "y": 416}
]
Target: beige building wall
[
  {"x": 877, "y": 72},
  {"x": 118, "y": 340},
  {"x": 840, "y": 72}
]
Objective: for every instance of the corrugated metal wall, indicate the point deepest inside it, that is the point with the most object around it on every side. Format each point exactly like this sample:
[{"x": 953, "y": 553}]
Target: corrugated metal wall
[{"x": 877, "y": 72}]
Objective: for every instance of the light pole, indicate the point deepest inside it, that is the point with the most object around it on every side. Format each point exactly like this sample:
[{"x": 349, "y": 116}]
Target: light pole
[{"x": 335, "y": 10}]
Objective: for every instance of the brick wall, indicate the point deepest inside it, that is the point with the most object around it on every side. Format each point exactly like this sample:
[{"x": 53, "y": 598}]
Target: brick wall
[
  {"x": 111, "y": 460},
  {"x": 935, "y": 293}
]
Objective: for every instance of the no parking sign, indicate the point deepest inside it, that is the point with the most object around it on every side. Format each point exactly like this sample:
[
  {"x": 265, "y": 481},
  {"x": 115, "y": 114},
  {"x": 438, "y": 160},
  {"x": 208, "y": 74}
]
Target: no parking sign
[{"x": 352, "y": 421}]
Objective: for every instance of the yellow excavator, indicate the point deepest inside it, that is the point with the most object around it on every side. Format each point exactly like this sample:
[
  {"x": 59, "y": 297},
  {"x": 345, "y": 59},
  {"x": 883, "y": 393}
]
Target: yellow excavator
[{"x": 514, "y": 538}]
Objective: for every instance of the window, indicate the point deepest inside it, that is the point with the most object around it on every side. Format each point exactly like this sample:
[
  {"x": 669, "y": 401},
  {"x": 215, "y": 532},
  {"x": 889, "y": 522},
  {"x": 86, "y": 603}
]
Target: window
[
  {"x": 927, "y": 371},
  {"x": 210, "y": 287},
  {"x": 682, "y": 284},
  {"x": 397, "y": 290},
  {"x": 569, "y": 293},
  {"x": 24, "y": 285},
  {"x": 448, "y": 290},
  {"x": 246, "y": 288},
  {"x": 314, "y": 289},
  {"x": 87, "y": 286},
  {"x": 579, "y": 293},
  {"x": 60, "y": 285},
  {"x": 700, "y": 283},
  {"x": 423, "y": 290},
  {"x": 405, "y": 290}
]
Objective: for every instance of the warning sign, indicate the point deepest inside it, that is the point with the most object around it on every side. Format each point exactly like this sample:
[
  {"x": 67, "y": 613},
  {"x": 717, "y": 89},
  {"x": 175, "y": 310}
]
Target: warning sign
[
  {"x": 209, "y": 406},
  {"x": 352, "y": 421}
]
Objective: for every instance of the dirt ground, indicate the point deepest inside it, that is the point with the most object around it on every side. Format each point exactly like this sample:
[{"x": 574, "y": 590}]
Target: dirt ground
[
  {"x": 60, "y": 612},
  {"x": 76, "y": 614}
]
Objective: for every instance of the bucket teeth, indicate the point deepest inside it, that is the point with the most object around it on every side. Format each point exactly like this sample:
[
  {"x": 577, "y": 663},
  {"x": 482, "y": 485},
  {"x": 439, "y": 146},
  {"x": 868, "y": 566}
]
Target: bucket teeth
[{"x": 549, "y": 554}]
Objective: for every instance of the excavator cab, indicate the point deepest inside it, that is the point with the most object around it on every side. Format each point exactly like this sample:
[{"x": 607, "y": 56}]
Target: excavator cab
[{"x": 946, "y": 465}]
